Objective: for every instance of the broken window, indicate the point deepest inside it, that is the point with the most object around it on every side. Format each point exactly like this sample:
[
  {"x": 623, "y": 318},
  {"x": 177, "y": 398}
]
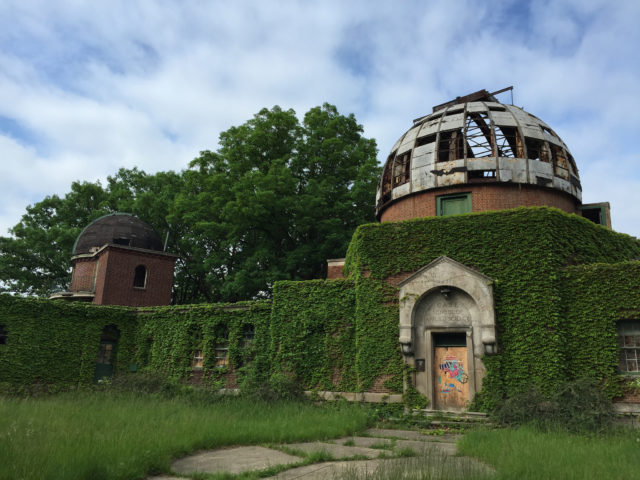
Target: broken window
[
  {"x": 508, "y": 142},
  {"x": 478, "y": 133},
  {"x": 385, "y": 193},
  {"x": 536, "y": 149},
  {"x": 140, "y": 277},
  {"x": 450, "y": 146},
  {"x": 425, "y": 140},
  {"x": 475, "y": 175},
  {"x": 3, "y": 335},
  {"x": 560, "y": 164},
  {"x": 629, "y": 346},
  {"x": 401, "y": 169},
  {"x": 122, "y": 241}
]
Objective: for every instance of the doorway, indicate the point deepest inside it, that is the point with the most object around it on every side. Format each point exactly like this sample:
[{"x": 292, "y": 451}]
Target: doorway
[
  {"x": 450, "y": 371},
  {"x": 106, "y": 353}
]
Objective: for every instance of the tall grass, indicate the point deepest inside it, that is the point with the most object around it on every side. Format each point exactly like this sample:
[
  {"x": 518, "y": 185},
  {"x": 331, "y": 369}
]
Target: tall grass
[
  {"x": 104, "y": 436},
  {"x": 527, "y": 453}
]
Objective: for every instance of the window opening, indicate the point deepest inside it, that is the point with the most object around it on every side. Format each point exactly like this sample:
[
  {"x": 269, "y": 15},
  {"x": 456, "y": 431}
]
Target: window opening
[
  {"x": 450, "y": 146},
  {"x": 559, "y": 161},
  {"x": 105, "y": 352},
  {"x": 248, "y": 334},
  {"x": 450, "y": 339},
  {"x": 454, "y": 111},
  {"x": 140, "y": 277},
  {"x": 386, "y": 180},
  {"x": 478, "y": 133},
  {"x": 536, "y": 149},
  {"x": 497, "y": 109},
  {"x": 425, "y": 140},
  {"x": 508, "y": 142},
  {"x": 629, "y": 343},
  {"x": 122, "y": 241},
  {"x": 3, "y": 335},
  {"x": 594, "y": 214},
  {"x": 197, "y": 361},
  {"x": 401, "y": 168},
  {"x": 481, "y": 175},
  {"x": 221, "y": 347}
]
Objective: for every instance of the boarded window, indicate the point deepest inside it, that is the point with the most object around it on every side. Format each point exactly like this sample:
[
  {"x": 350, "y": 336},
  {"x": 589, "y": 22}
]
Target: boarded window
[
  {"x": 629, "y": 346},
  {"x": 3, "y": 335},
  {"x": 453, "y": 204},
  {"x": 140, "y": 277}
]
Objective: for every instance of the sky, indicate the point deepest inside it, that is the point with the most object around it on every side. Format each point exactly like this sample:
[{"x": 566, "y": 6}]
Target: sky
[{"x": 87, "y": 87}]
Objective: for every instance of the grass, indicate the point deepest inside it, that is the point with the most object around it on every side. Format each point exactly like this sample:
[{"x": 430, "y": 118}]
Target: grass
[
  {"x": 105, "y": 436},
  {"x": 526, "y": 453}
]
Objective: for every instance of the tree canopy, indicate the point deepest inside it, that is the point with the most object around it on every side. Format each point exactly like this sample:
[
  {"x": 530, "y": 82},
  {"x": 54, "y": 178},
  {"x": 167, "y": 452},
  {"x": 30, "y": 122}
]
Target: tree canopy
[{"x": 273, "y": 202}]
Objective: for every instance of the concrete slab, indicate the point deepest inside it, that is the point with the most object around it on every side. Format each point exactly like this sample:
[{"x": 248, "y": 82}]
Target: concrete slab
[
  {"x": 412, "y": 435},
  {"x": 233, "y": 460},
  {"x": 336, "y": 450},
  {"x": 328, "y": 470}
]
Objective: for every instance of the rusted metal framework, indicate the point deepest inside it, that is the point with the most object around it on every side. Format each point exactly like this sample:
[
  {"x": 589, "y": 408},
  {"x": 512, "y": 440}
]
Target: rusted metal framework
[{"x": 476, "y": 138}]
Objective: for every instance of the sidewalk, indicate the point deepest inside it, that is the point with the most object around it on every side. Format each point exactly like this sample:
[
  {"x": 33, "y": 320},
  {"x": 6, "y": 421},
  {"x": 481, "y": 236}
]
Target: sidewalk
[{"x": 377, "y": 449}]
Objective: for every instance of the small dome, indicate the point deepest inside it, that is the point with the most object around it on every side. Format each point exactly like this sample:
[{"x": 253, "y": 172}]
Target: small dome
[
  {"x": 475, "y": 139},
  {"x": 119, "y": 229}
]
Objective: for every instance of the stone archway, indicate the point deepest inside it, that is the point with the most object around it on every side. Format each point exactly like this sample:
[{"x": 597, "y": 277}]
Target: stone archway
[{"x": 447, "y": 323}]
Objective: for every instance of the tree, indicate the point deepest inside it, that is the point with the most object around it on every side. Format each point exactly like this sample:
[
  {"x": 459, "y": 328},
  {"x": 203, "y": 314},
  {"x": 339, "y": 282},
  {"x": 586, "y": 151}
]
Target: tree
[{"x": 272, "y": 203}]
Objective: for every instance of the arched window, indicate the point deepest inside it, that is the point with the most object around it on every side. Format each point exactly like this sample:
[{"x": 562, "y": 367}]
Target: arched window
[
  {"x": 140, "y": 277},
  {"x": 3, "y": 335}
]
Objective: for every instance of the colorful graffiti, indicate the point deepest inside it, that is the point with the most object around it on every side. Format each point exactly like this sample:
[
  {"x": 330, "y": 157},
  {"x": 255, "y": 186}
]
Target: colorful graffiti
[{"x": 454, "y": 369}]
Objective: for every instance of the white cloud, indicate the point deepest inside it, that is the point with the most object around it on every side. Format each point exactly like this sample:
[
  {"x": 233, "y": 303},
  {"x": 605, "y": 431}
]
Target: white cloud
[{"x": 95, "y": 86}]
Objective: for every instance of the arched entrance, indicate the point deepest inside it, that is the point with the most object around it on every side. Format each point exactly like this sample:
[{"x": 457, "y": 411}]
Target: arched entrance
[
  {"x": 447, "y": 323},
  {"x": 107, "y": 353}
]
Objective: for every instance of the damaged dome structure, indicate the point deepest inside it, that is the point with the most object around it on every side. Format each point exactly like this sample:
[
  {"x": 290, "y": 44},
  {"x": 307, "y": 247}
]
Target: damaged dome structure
[{"x": 474, "y": 154}]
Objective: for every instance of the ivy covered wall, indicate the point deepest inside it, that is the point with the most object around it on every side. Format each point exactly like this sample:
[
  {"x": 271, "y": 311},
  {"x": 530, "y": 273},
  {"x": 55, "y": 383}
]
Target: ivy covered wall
[
  {"x": 560, "y": 284},
  {"x": 525, "y": 252},
  {"x": 597, "y": 297},
  {"x": 313, "y": 333},
  {"x": 56, "y": 342}
]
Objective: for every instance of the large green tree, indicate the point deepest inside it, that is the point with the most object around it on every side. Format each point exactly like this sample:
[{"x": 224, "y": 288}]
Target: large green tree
[{"x": 274, "y": 201}]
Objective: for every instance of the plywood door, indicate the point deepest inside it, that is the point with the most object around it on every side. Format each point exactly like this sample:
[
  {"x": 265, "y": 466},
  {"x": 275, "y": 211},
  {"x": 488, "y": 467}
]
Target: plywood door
[{"x": 451, "y": 378}]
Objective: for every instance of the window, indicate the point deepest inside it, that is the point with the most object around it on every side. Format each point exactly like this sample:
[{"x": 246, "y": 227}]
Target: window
[
  {"x": 140, "y": 277},
  {"x": 3, "y": 335},
  {"x": 401, "y": 168},
  {"x": 629, "y": 343},
  {"x": 122, "y": 241},
  {"x": 221, "y": 347},
  {"x": 248, "y": 334},
  {"x": 453, "y": 204},
  {"x": 536, "y": 149},
  {"x": 197, "y": 361}
]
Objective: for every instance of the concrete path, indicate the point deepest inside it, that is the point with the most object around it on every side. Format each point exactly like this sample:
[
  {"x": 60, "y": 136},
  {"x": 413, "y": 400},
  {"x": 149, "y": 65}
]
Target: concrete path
[{"x": 381, "y": 449}]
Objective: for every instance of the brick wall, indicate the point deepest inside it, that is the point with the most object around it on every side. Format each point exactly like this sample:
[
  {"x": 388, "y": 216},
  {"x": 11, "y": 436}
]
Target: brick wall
[
  {"x": 114, "y": 280},
  {"x": 82, "y": 276},
  {"x": 483, "y": 197}
]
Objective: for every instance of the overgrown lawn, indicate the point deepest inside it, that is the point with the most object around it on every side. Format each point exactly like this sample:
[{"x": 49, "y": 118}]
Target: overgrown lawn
[
  {"x": 105, "y": 436},
  {"x": 526, "y": 453}
]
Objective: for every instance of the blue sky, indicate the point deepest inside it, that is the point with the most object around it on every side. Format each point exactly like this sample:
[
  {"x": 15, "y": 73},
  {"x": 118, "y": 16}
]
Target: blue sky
[{"x": 88, "y": 87}]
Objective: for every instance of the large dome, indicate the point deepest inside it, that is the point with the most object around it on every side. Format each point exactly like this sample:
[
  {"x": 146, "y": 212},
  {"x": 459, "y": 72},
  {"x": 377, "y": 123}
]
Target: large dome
[
  {"x": 476, "y": 141},
  {"x": 119, "y": 229}
]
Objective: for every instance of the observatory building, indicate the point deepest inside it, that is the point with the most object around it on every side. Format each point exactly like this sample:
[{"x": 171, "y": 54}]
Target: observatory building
[
  {"x": 119, "y": 260},
  {"x": 474, "y": 154}
]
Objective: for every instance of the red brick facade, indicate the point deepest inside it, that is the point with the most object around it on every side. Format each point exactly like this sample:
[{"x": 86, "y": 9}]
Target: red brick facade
[
  {"x": 109, "y": 273},
  {"x": 483, "y": 197}
]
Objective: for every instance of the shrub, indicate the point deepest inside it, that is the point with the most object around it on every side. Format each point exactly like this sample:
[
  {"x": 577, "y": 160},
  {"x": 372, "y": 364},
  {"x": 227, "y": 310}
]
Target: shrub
[{"x": 577, "y": 406}]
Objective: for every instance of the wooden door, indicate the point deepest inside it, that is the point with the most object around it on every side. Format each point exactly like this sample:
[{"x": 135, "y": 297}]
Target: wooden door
[{"x": 450, "y": 372}]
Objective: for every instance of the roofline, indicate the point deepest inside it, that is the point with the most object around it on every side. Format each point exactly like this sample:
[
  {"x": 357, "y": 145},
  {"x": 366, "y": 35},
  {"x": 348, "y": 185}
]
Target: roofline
[{"x": 123, "y": 247}]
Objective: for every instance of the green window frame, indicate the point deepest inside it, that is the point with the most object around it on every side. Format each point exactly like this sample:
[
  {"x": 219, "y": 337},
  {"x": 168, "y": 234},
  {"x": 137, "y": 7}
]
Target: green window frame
[{"x": 460, "y": 202}]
